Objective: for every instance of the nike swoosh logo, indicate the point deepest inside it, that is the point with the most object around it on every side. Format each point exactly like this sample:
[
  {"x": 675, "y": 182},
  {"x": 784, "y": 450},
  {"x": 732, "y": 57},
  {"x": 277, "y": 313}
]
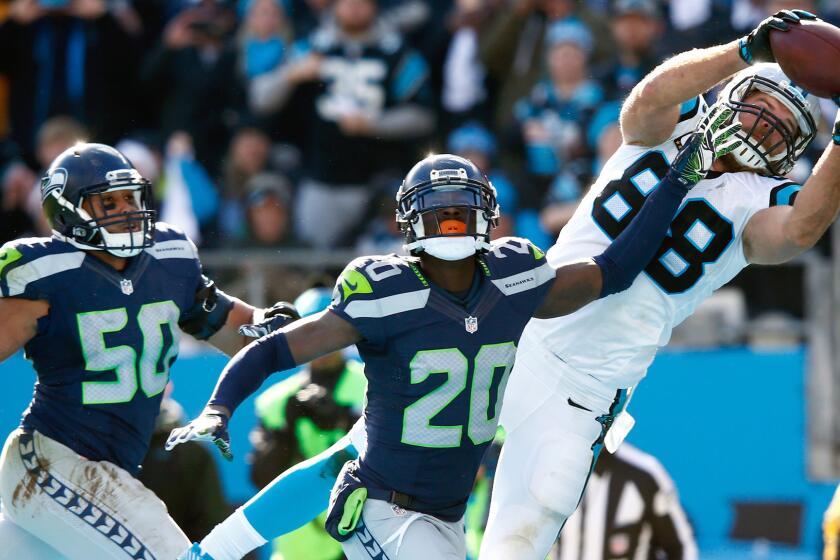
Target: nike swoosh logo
[
  {"x": 4, "y": 256},
  {"x": 350, "y": 285},
  {"x": 576, "y": 405}
]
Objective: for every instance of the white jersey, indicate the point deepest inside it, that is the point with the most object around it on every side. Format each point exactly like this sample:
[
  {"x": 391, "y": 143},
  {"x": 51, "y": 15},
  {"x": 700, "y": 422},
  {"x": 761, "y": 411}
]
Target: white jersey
[{"x": 615, "y": 339}]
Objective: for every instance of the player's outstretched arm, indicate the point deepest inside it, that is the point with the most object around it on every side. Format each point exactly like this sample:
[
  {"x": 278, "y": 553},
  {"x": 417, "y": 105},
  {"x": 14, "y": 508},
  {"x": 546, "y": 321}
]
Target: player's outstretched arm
[
  {"x": 614, "y": 270},
  {"x": 19, "y": 324},
  {"x": 652, "y": 109},
  {"x": 299, "y": 343},
  {"x": 777, "y": 234},
  {"x": 229, "y": 323}
]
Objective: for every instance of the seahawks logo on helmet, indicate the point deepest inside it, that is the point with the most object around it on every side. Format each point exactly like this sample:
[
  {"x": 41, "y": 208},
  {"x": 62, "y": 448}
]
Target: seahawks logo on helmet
[{"x": 55, "y": 181}]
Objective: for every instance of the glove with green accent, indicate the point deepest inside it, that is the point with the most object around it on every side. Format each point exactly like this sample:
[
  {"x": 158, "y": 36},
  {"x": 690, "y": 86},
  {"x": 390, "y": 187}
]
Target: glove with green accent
[
  {"x": 755, "y": 47},
  {"x": 211, "y": 425},
  {"x": 714, "y": 137}
]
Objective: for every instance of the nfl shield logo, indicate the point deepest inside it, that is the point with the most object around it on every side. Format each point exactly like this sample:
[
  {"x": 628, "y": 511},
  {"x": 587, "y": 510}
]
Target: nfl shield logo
[
  {"x": 471, "y": 324},
  {"x": 127, "y": 287}
]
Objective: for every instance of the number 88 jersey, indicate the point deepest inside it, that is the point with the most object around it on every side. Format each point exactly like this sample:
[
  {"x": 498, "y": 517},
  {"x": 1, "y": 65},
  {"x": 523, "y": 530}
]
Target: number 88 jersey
[{"x": 702, "y": 252}]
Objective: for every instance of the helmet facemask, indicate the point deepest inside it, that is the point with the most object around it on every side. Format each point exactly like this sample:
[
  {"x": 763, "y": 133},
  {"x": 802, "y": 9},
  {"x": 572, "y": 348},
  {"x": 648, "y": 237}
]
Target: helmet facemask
[
  {"x": 449, "y": 217},
  {"x": 131, "y": 232},
  {"x": 778, "y": 157}
]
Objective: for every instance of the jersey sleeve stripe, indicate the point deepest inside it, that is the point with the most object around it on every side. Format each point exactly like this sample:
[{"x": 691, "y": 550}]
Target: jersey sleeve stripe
[
  {"x": 524, "y": 281},
  {"x": 784, "y": 195},
  {"x": 20, "y": 277},
  {"x": 689, "y": 109},
  {"x": 173, "y": 249},
  {"x": 389, "y": 305}
]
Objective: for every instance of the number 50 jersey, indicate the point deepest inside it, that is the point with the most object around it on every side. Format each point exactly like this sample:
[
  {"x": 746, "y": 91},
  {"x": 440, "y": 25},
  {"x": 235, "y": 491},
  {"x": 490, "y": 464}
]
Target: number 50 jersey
[{"x": 615, "y": 339}]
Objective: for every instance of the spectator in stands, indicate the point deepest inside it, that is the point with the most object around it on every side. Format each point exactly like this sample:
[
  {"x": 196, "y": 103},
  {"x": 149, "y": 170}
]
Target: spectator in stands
[
  {"x": 191, "y": 77},
  {"x": 554, "y": 117},
  {"x": 307, "y": 15},
  {"x": 267, "y": 210},
  {"x": 630, "y": 510},
  {"x": 381, "y": 236},
  {"x": 564, "y": 194},
  {"x": 637, "y": 26},
  {"x": 265, "y": 38},
  {"x": 248, "y": 155},
  {"x": 66, "y": 57},
  {"x": 16, "y": 181},
  {"x": 464, "y": 92},
  {"x": 189, "y": 198},
  {"x": 513, "y": 47},
  {"x": 24, "y": 198},
  {"x": 301, "y": 417},
  {"x": 474, "y": 142},
  {"x": 370, "y": 107},
  {"x": 187, "y": 479}
]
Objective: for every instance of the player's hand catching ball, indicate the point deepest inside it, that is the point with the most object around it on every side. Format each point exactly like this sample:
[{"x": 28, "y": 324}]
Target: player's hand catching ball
[
  {"x": 275, "y": 317},
  {"x": 211, "y": 425},
  {"x": 755, "y": 47},
  {"x": 714, "y": 137}
]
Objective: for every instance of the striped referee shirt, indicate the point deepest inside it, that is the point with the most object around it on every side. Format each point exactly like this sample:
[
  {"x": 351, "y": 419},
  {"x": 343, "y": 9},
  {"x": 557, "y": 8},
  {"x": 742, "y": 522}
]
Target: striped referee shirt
[{"x": 630, "y": 511}]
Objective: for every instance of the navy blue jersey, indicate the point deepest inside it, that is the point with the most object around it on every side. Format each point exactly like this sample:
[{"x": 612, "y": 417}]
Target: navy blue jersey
[
  {"x": 437, "y": 366},
  {"x": 103, "y": 352}
]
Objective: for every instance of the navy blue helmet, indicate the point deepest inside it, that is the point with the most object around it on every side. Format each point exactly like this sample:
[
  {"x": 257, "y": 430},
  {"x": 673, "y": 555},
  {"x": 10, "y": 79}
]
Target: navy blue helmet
[
  {"x": 447, "y": 207},
  {"x": 86, "y": 172}
]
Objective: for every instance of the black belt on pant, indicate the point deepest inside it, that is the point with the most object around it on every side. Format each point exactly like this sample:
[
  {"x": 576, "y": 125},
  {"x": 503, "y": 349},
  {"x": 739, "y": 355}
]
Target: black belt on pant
[{"x": 448, "y": 513}]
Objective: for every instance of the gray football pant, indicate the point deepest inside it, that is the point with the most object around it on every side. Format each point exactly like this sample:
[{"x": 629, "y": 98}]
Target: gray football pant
[{"x": 388, "y": 532}]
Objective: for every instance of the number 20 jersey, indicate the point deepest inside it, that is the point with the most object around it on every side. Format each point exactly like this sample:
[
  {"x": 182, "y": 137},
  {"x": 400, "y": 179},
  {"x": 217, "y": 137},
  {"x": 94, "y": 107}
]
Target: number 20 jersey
[
  {"x": 437, "y": 367},
  {"x": 615, "y": 339}
]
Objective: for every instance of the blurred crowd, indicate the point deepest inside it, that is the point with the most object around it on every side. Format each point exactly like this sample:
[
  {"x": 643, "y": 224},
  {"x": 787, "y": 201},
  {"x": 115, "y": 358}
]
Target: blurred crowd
[{"x": 278, "y": 123}]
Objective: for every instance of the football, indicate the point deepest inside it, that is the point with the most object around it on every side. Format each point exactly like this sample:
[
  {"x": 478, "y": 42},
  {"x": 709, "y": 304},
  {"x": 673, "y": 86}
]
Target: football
[{"x": 809, "y": 53}]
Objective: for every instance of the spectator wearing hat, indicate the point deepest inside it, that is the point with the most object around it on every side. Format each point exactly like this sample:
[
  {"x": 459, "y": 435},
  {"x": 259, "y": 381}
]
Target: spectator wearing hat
[
  {"x": 553, "y": 118},
  {"x": 637, "y": 26},
  {"x": 474, "y": 142},
  {"x": 512, "y": 45},
  {"x": 267, "y": 210}
]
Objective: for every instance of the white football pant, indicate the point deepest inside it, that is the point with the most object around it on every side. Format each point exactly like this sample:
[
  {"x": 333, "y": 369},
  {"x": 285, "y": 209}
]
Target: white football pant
[
  {"x": 554, "y": 426},
  {"x": 83, "y": 509}
]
